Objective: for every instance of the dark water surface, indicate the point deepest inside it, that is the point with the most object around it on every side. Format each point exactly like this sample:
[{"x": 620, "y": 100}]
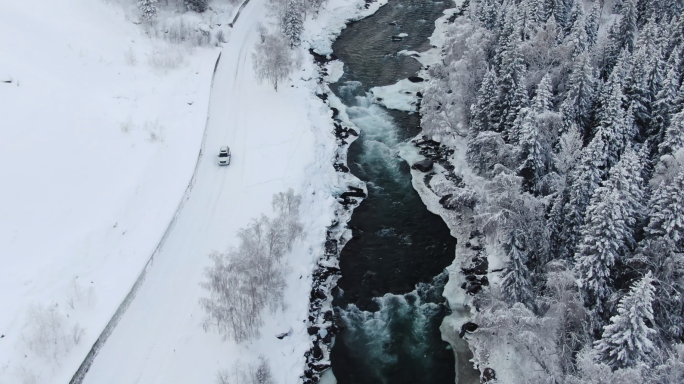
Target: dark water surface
[{"x": 392, "y": 333}]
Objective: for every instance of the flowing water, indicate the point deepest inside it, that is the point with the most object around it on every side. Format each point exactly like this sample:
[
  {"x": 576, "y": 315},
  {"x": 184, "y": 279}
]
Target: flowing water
[{"x": 389, "y": 295}]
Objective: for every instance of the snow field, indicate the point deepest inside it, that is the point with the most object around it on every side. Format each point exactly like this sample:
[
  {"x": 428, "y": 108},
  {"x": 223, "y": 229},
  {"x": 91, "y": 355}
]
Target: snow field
[{"x": 101, "y": 131}]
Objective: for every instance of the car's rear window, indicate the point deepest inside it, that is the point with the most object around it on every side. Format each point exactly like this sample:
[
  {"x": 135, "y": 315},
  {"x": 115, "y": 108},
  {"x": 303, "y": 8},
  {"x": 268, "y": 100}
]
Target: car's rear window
[{"x": 223, "y": 154}]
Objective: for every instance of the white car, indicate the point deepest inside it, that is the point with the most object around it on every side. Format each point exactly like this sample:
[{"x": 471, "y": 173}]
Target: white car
[{"x": 224, "y": 156}]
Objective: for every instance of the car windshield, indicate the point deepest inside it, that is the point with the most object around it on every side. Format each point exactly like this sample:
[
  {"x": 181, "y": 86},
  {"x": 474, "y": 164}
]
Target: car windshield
[{"x": 223, "y": 154}]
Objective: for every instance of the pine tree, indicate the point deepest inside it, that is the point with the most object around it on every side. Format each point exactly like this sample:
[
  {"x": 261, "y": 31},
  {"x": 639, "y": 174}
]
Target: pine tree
[
  {"x": 293, "y": 23},
  {"x": 516, "y": 285},
  {"x": 592, "y": 24},
  {"x": 577, "y": 36},
  {"x": 666, "y": 217},
  {"x": 528, "y": 19},
  {"x": 659, "y": 255},
  {"x": 637, "y": 87},
  {"x": 579, "y": 99},
  {"x": 584, "y": 181},
  {"x": 148, "y": 9},
  {"x": 621, "y": 36},
  {"x": 485, "y": 116},
  {"x": 673, "y": 139},
  {"x": 486, "y": 13},
  {"x": 512, "y": 95},
  {"x": 627, "y": 340},
  {"x": 576, "y": 14},
  {"x": 609, "y": 230},
  {"x": 615, "y": 125},
  {"x": 558, "y": 9},
  {"x": 535, "y": 149},
  {"x": 665, "y": 103}
]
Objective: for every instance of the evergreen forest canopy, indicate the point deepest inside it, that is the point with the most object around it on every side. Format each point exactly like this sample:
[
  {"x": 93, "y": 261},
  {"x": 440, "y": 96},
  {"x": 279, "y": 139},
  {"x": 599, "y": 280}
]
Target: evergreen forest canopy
[{"x": 568, "y": 114}]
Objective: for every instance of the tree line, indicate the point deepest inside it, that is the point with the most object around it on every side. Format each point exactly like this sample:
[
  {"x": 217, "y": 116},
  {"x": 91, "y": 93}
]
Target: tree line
[{"x": 571, "y": 115}]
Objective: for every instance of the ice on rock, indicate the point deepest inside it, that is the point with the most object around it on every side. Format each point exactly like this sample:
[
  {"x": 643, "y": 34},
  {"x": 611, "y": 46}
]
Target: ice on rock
[
  {"x": 335, "y": 71},
  {"x": 401, "y": 96}
]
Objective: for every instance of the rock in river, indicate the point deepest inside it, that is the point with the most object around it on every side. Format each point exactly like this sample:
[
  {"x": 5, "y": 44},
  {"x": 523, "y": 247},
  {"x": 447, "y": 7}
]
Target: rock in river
[{"x": 423, "y": 165}]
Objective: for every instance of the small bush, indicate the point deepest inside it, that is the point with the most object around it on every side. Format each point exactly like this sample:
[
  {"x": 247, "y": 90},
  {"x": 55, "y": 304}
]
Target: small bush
[
  {"x": 180, "y": 32},
  {"x": 156, "y": 130},
  {"x": 220, "y": 36},
  {"x": 166, "y": 58},
  {"x": 127, "y": 125},
  {"x": 129, "y": 56},
  {"x": 254, "y": 374},
  {"x": 47, "y": 336}
]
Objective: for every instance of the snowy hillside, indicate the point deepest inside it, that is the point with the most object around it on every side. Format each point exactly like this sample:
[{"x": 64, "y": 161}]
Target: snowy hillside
[{"x": 101, "y": 128}]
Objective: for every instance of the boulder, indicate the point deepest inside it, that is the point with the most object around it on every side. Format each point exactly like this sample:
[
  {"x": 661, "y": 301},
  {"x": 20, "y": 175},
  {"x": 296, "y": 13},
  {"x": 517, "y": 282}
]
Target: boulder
[
  {"x": 488, "y": 375},
  {"x": 416, "y": 79},
  {"x": 284, "y": 334},
  {"x": 468, "y": 327},
  {"x": 423, "y": 165},
  {"x": 474, "y": 289},
  {"x": 317, "y": 352}
]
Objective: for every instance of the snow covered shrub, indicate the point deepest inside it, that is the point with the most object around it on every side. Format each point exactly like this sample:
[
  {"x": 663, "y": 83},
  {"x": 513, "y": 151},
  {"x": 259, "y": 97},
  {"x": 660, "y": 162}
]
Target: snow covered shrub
[
  {"x": 247, "y": 279},
  {"x": 126, "y": 125},
  {"x": 670, "y": 371},
  {"x": 590, "y": 371},
  {"x": 179, "y": 31},
  {"x": 263, "y": 32},
  {"x": 223, "y": 376},
  {"x": 78, "y": 295},
  {"x": 197, "y": 5},
  {"x": 129, "y": 56},
  {"x": 166, "y": 58},
  {"x": 262, "y": 374},
  {"x": 48, "y": 336},
  {"x": 259, "y": 373},
  {"x": 27, "y": 376},
  {"x": 202, "y": 38},
  {"x": 516, "y": 329},
  {"x": 220, "y": 36},
  {"x": 487, "y": 150},
  {"x": 155, "y": 130}
]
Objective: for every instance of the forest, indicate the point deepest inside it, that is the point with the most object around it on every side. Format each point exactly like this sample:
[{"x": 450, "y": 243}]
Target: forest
[{"x": 564, "y": 124}]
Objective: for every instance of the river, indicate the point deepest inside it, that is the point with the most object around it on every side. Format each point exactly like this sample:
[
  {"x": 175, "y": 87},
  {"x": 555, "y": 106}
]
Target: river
[{"x": 389, "y": 296}]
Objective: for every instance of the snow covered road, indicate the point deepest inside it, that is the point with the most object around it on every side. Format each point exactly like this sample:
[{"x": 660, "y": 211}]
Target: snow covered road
[{"x": 159, "y": 338}]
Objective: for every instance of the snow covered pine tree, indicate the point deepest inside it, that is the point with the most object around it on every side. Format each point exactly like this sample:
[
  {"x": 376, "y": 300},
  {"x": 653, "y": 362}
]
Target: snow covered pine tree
[
  {"x": 148, "y": 9},
  {"x": 627, "y": 340},
  {"x": 293, "y": 22}
]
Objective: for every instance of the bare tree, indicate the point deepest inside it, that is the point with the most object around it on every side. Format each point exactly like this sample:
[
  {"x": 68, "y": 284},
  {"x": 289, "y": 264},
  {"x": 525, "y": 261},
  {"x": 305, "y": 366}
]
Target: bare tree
[
  {"x": 272, "y": 60},
  {"x": 246, "y": 280}
]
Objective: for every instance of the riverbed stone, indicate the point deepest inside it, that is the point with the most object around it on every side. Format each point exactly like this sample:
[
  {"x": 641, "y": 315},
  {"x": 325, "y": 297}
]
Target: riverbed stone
[
  {"x": 488, "y": 375},
  {"x": 423, "y": 165}
]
